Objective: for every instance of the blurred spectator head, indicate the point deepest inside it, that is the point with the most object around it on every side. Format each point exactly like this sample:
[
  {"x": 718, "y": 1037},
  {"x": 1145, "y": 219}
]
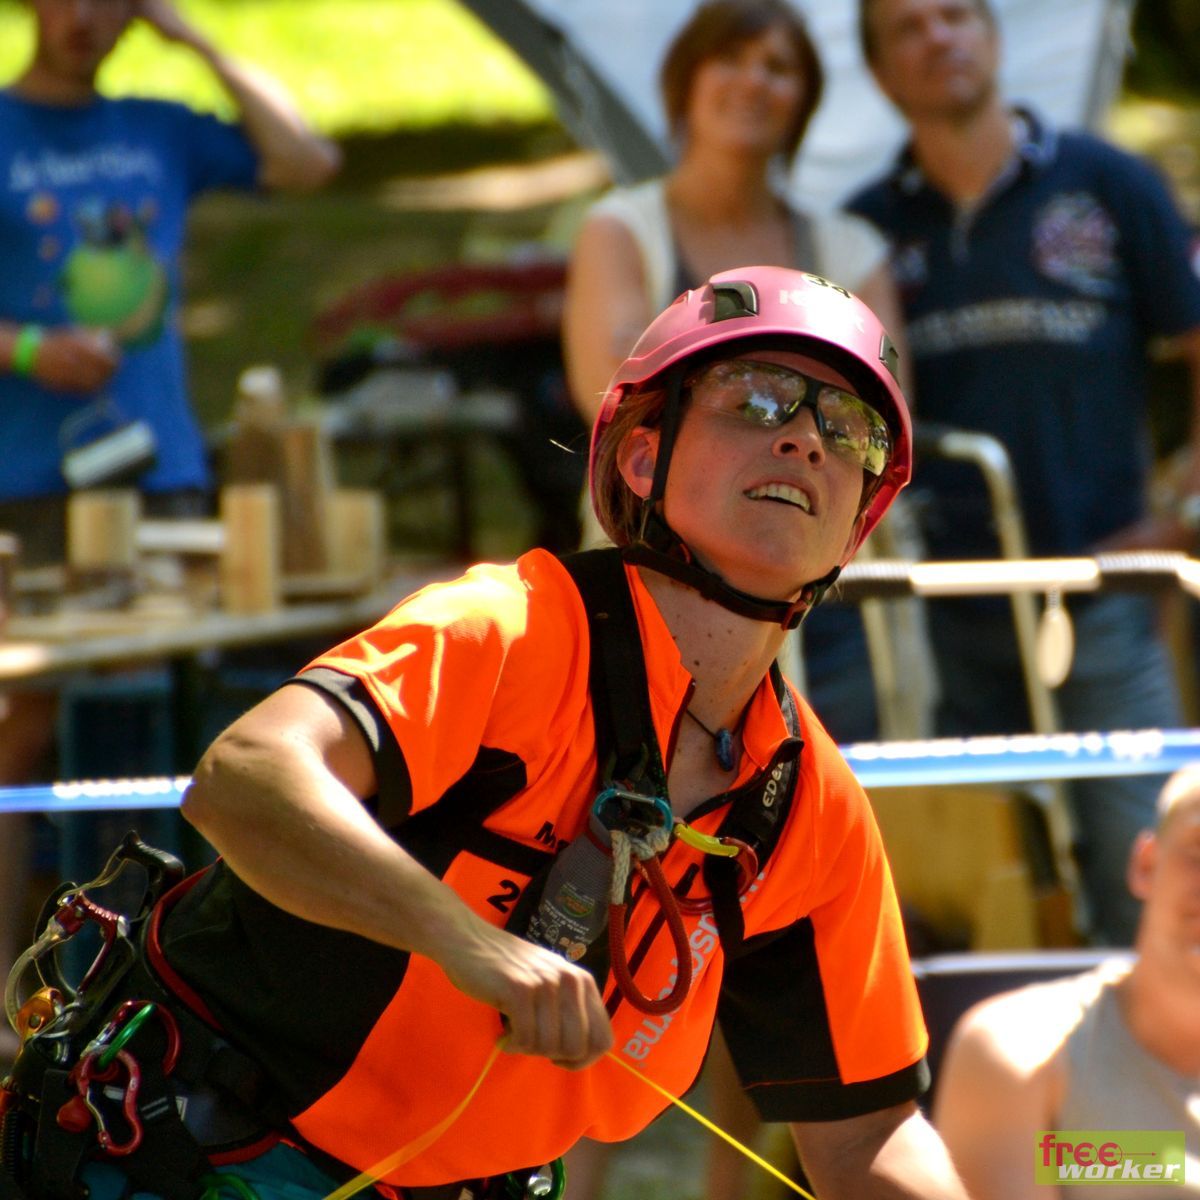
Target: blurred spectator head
[
  {"x": 718, "y": 30},
  {"x": 73, "y": 37}
]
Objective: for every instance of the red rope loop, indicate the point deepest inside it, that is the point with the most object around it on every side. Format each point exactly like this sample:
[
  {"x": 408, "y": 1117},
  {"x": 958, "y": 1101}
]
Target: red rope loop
[{"x": 651, "y": 868}]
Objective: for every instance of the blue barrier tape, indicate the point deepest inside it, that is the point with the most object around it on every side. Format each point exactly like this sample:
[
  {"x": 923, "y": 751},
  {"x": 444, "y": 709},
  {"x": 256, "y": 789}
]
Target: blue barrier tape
[
  {"x": 94, "y": 795},
  {"x": 1025, "y": 758}
]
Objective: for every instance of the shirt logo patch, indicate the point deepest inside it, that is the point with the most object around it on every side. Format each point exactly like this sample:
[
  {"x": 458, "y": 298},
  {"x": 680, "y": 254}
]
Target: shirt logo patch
[{"x": 1074, "y": 242}]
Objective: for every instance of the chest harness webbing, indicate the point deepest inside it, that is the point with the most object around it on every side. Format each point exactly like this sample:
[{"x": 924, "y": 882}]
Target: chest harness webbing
[{"x": 629, "y": 757}]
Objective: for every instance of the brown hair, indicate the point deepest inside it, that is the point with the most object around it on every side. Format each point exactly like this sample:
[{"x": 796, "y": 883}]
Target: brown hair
[
  {"x": 618, "y": 507},
  {"x": 716, "y": 26},
  {"x": 866, "y": 35}
]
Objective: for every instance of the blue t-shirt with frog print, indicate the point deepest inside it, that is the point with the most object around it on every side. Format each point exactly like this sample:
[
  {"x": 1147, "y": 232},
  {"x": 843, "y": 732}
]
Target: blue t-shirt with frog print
[{"x": 93, "y": 207}]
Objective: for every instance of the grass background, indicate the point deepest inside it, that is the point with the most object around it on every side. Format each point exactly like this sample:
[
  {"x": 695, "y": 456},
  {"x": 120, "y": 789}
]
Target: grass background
[{"x": 354, "y": 66}]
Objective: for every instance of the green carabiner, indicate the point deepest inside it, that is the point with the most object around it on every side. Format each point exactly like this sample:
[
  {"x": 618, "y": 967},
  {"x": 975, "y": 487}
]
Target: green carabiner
[
  {"x": 123, "y": 1034},
  {"x": 520, "y": 1186},
  {"x": 218, "y": 1180}
]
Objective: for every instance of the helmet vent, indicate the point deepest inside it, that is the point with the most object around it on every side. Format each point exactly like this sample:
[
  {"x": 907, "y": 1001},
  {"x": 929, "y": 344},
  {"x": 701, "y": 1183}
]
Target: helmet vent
[
  {"x": 890, "y": 357},
  {"x": 736, "y": 299}
]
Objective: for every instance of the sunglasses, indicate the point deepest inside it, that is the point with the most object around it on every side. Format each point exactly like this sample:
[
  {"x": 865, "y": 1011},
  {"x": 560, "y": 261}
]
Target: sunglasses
[{"x": 770, "y": 396}]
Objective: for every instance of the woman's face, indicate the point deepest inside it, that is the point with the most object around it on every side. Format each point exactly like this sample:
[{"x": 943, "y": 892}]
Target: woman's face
[
  {"x": 746, "y": 98},
  {"x": 769, "y": 509}
]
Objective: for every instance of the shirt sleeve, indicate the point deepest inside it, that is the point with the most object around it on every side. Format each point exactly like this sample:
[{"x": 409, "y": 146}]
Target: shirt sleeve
[
  {"x": 392, "y": 802},
  {"x": 1160, "y": 252},
  {"x": 218, "y": 154},
  {"x": 822, "y": 1017},
  {"x": 475, "y": 664},
  {"x": 849, "y": 248},
  {"x": 642, "y": 210}
]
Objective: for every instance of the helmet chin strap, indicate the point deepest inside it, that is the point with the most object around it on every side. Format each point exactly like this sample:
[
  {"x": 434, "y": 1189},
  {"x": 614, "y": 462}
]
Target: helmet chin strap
[{"x": 660, "y": 548}]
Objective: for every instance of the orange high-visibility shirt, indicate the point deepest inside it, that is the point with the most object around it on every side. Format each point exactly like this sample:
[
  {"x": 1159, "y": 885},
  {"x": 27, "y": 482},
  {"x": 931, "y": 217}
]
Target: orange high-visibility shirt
[{"x": 479, "y": 688}]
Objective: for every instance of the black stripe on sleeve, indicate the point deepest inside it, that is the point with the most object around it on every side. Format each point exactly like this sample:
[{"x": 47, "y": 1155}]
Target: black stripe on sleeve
[
  {"x": 773, "y": 1014},
  {"x": 393, "y": 802}
]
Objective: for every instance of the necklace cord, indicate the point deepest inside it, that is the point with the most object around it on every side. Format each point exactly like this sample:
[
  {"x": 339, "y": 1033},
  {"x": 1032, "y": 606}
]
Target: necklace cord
[{"x": 722, "y": 739}]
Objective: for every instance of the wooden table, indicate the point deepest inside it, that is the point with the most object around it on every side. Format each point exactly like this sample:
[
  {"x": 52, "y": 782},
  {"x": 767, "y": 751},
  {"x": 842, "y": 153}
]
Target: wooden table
[
  {"x": 39, "y": 646},
  {"x": 53, "y": 650}
]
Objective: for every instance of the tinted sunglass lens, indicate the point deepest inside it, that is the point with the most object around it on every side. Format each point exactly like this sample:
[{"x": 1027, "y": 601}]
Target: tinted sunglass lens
[{"x": 855, "y": 429}]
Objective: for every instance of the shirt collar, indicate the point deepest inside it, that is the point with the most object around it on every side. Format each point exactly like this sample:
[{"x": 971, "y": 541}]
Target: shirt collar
[{"x": 1036, "y": 147}]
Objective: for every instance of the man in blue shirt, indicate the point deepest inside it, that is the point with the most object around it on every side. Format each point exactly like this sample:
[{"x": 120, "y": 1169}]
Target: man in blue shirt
[
  {"x": 93, "y": 200},
  {"x": 94, "y": 195},
  {"x": 1035, "y": 266}
]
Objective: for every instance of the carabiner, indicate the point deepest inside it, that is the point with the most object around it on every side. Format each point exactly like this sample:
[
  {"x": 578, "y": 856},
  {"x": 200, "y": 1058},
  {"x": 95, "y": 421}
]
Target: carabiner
[
  {"x": 122, "y": 1026},
  {"x": 631, "y": 812},
  {"x": 87, "y": 1073},
  {"x": 546, "y": 1183},
  {"x": 727, "y": 847}
]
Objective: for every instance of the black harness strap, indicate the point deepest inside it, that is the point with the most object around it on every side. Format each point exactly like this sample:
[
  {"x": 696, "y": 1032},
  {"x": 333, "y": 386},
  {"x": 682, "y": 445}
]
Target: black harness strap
[
  {"x": 626, "y": 745},
  {"x": 625, "y": 731},
  {"x": 756, "y": 816}
]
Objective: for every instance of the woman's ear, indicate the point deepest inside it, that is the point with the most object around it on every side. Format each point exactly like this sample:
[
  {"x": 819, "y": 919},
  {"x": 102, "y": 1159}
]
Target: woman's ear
[
  {"x": 1142, "y": 860},
  {"x": 636, "y": 458}
]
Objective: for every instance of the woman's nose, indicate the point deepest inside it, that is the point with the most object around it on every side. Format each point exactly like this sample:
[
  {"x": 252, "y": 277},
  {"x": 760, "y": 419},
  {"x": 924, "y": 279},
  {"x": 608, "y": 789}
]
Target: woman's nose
[{"x": 801, "y": 436}]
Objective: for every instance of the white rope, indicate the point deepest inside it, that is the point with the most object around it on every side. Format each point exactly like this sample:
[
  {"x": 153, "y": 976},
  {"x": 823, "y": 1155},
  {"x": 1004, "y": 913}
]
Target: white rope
[{"x": 627, "y": 846}]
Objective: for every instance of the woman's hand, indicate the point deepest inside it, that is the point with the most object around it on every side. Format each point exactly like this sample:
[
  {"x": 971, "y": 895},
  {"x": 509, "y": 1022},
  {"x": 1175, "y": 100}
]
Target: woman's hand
[{"x": 552, "y": 1007}]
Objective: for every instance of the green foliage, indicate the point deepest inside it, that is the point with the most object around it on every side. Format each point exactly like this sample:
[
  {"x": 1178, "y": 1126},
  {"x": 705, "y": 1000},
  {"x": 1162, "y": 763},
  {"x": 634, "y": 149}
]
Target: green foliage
[
  {"x": 353, "y": 66},
  {"x": 1166, "y": 59}
]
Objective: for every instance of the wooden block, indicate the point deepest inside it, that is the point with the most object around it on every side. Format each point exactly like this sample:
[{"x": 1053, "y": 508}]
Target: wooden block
[
  {"x": 253, "y": 454},
  {"x": 1006, "y": 913},
  {"x": 357, "y": 534},
  {"x": 181, "y": 535},
  {"x": 953, "y": 851},
  {"x": 10, "y": 549},
  {"x": 250, "y": 561},
  {"x": 308, "y": 482},
  {"x": 102, "y": 529}
]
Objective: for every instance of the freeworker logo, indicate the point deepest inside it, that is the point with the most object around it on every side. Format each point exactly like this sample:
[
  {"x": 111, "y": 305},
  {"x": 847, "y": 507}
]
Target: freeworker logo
[{"x": 1100, "y": 1156}]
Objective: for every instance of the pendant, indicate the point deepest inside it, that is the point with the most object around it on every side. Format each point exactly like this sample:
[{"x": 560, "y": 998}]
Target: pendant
[{"x": 724, "y": 744}]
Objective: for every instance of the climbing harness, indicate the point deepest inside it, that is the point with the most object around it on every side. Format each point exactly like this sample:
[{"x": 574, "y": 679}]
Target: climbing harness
[
  {"x": 115, "y": 1069},
  {"x": 631, "y": 825},
  {"x": 105, "y": 1067}
]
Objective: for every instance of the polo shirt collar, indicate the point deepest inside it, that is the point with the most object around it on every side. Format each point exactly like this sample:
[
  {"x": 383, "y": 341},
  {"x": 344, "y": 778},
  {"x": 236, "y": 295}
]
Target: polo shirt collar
[{"x": 1036, "y": 148}]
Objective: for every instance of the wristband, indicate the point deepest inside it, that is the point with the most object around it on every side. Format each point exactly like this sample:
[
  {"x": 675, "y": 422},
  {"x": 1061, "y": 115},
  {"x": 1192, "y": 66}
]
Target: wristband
[{"x": 25, "y": 348}]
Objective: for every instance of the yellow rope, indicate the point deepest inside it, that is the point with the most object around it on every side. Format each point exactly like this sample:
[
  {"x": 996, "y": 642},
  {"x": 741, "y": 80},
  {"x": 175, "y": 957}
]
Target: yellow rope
[
  {"x": 413, "y": 1148},
  {"x": 728, "y": 1137}
]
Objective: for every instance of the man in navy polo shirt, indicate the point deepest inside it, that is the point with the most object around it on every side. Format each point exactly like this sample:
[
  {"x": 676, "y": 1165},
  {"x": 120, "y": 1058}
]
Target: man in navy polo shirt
[{"x": 1035, "y": 266}]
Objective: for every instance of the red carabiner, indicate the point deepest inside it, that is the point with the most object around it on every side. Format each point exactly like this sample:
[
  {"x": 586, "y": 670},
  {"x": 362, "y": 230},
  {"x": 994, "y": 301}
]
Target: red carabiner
[
  {"x": 128, "y": 1108},
  {"x": 747, "y": 866},
  {"x": 81, "y": 1110}
]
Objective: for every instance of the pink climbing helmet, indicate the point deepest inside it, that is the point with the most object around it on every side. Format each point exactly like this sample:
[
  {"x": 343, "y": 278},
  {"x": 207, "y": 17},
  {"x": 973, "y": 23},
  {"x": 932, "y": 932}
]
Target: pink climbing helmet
[{"x": 750, "y": 307}]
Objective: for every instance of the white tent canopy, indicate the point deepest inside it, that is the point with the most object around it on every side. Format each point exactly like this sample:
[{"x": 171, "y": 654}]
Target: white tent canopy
[{"x": 600, "y": 58}]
